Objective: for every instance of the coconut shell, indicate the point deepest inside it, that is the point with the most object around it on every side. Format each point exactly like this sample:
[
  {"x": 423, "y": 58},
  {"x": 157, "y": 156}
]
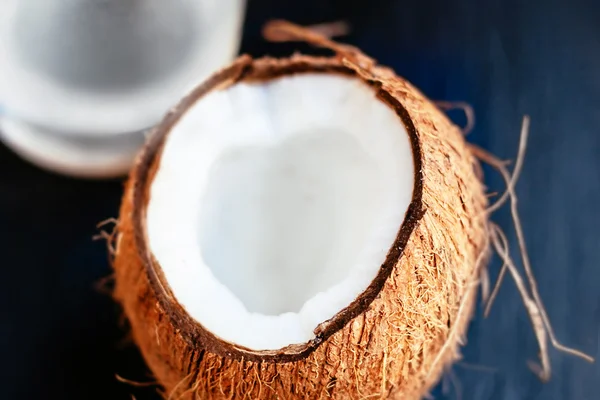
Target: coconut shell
[{"x": 396, "y": 338}]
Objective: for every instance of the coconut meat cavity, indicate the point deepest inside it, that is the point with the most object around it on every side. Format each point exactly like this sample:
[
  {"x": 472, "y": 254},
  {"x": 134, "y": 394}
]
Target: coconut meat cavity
[{"x": 275, "y": 203}]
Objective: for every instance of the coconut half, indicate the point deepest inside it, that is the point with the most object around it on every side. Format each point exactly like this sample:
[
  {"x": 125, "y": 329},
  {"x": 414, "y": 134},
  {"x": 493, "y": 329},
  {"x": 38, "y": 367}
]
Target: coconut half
[{"x": 303, "y": 227}]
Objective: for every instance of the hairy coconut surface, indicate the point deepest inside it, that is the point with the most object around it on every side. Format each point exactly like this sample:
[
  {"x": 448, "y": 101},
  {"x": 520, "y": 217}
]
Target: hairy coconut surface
[{"x": 406, "y": 314}]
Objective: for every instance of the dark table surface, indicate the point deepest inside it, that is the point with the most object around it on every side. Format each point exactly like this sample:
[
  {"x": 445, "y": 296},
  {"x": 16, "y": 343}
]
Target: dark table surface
[{"x": 61, "y": 337}]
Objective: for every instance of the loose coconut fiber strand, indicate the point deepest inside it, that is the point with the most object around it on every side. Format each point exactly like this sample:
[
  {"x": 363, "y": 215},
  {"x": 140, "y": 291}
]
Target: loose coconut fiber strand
[
  {"x": 399, "y": 346},
  {"x": 529, "y": 292}
]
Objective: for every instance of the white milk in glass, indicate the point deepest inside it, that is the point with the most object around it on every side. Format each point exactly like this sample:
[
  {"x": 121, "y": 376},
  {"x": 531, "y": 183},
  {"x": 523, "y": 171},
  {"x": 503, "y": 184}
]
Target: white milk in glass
[{"x": 82, "y": 80}]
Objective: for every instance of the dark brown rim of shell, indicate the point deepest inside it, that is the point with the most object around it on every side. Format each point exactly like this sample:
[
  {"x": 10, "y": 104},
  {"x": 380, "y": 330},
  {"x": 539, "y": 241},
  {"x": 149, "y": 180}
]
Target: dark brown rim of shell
[{"x": 348, "y": 61}]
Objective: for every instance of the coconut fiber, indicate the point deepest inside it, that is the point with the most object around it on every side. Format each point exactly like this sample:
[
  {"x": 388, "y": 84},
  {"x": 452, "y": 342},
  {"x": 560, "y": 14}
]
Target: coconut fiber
[{"x": 395, "y": 339}]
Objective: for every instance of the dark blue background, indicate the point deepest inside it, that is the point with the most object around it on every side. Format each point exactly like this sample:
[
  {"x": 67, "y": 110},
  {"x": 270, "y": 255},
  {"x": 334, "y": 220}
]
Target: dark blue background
[{"x": 61, "y": 338}]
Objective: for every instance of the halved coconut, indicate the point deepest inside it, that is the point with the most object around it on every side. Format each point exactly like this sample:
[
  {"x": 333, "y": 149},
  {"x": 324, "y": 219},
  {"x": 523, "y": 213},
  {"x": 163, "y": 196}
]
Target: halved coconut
[{"x": 304, "y": 227}]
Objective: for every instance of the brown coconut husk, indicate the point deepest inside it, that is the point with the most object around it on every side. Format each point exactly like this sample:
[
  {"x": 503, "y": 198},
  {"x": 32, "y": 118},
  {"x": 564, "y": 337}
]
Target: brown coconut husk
[{"x": 396, "y": 338}]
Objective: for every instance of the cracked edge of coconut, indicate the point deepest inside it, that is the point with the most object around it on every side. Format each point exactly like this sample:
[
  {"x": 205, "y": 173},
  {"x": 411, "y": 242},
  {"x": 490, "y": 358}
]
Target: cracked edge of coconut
[{"x": 312, "y": 323}]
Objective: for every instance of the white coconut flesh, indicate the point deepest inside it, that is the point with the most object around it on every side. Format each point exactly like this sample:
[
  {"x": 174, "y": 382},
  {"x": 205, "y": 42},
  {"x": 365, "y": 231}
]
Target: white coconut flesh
[{"x": 275, "y": 204}]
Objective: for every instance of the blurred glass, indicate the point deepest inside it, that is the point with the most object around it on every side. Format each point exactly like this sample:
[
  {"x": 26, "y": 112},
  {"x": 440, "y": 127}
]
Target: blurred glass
[{"x": 80, "y": 80}]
